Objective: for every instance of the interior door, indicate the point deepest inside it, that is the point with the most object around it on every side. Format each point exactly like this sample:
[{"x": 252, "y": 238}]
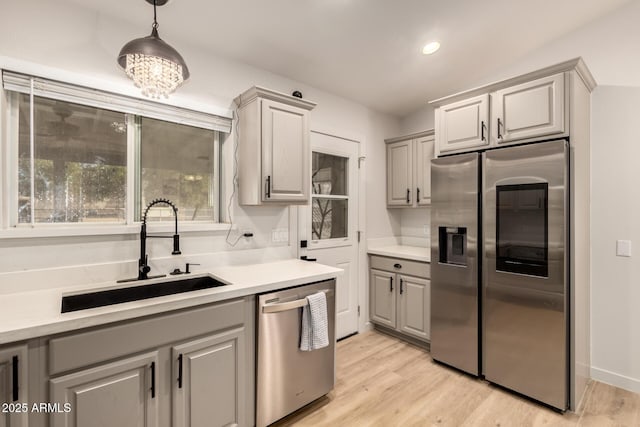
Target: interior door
[{"x": 329, "y": 223}]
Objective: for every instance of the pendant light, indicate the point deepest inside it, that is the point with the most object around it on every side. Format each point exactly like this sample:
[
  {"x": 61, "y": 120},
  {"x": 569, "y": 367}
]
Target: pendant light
[{"x": 153, "y": 65}]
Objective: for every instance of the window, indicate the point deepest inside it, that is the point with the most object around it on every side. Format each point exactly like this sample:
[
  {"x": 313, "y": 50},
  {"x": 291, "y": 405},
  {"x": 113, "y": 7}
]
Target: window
[
  {"x": 79, "y": 162},
  {"x": 103, "y": 158},
  {"x": 329, "y": 199}
]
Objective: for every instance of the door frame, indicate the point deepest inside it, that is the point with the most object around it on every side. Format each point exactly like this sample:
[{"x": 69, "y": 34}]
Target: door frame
[{"x": 362, "y": 290}]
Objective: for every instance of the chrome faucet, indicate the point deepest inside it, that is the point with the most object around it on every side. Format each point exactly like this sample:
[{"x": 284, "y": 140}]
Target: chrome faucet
[{"x": 143, "y": 266}]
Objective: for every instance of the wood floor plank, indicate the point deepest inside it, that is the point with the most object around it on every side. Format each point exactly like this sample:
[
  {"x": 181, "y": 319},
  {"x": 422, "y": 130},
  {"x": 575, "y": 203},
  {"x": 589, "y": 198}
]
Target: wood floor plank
[{"x": 386, "y": 382}]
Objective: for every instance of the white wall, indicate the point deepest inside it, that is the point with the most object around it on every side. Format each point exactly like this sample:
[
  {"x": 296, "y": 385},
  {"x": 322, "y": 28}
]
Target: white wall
[
  {"x": 66, "y": 42},
  {"x": 615, "y": 213},
  {"x": 418, "y": 121}
]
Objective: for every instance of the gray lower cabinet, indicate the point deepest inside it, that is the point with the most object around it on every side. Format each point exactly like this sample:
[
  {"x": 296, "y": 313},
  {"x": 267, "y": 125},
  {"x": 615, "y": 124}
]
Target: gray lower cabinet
[
  {"x": 122, "y": 393},
  {"x": 191, "y": 368},
  {"x": 209, "y": 375},
  {"x": 400, "y": 302},
  {"x": 13, "y": 386}
]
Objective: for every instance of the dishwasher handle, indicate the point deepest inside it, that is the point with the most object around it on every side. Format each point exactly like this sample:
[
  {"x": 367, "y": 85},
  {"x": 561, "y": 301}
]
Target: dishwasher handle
[{"x": 289, "y": 305}]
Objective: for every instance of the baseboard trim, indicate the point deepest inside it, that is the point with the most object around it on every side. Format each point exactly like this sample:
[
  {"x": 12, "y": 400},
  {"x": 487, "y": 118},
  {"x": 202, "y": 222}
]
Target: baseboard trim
[
  {"x": 611, "y": 378},
  {"x": 411, "y": 340}
]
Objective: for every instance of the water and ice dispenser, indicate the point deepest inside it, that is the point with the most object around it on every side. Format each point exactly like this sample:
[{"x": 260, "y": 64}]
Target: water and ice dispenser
[{"x": 453, "y": 245}]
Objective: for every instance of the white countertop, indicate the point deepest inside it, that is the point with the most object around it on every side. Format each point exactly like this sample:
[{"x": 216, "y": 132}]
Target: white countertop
[
  {"x": 26, "y": 315},
  {"x": 414, "y": 253}
]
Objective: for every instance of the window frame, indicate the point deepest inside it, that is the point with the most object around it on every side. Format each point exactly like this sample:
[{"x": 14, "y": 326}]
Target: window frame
[{"x": 9, "y": 146}]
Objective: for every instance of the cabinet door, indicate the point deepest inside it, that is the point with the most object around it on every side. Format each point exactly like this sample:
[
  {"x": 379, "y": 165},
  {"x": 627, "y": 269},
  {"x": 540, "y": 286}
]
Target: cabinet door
[
  {"x": 424, "y": 152},
  {"x": 528, "y": 110},
  {"x": 399, "y": 173},
  {"x": 208, "y": 381},
  {"x": 382, "y": 286},
  {"x": 414, "y": 302},
  {"x": 121, "y": 394},
  {"x": 285, "y": 153},
  {"x": 463, "y": 125},
  {"x": 13, "y": 386}
]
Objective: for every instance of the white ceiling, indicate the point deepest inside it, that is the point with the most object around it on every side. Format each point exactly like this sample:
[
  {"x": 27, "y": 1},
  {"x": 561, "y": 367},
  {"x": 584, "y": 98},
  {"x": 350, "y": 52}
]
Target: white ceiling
[{"x": 366, "y": 50}]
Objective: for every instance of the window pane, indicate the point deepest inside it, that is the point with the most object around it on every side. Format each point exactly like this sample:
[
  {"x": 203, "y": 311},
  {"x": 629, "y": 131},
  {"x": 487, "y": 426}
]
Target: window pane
[
  {"x": 329, "y": 218},
  {"x": 80, "y": 163},
  {"x": 177, "y": 163},
  {"x": 329, "y": 174}
]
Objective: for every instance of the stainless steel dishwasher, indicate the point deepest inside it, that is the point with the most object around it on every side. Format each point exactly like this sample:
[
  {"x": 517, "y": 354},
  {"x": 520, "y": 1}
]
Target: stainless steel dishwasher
[{"x": 288, "y": 378}]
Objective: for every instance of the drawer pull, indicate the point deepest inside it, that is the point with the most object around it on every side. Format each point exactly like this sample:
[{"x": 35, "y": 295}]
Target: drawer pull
[
  {"x": 390, "y": 284},
  {"x": 397, "y": 265},
  {"x": 400, "y": 286}
]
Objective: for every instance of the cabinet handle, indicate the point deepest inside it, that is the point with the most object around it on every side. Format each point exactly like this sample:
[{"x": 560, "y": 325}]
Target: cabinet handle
[
  {"x": 390, "y": 284},
  {"x": 499, "y": 124},
  {"x": 269, "y": 187},
  {"x": 397, "y": 265},
  {"x": 400, "y": 286},
  {"x": 180, "y": 371},
  {"x": 482, "y": 126},
  {"x": 408, "y": 195},
  {"x": 14, "y": 378},
  {"x": 418, "y": 195},
  {"x": 153, "y": 380}
]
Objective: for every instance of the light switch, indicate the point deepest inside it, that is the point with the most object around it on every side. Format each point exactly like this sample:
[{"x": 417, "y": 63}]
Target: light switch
[
  {"x": 623, "y": 247},
  {"x": 426, "y": 230}
]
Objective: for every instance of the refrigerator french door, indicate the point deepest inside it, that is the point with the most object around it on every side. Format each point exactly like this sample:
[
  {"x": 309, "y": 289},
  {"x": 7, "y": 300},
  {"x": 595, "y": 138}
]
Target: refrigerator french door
[{"x": 522, "y": 286}]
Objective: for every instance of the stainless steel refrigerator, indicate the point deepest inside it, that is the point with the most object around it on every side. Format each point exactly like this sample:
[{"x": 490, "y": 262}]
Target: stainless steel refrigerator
[{"x": 499, "y": 267}]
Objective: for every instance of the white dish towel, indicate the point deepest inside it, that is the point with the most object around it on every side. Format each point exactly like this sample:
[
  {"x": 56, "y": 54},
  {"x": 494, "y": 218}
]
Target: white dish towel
[{"x": 314, "y": 333}]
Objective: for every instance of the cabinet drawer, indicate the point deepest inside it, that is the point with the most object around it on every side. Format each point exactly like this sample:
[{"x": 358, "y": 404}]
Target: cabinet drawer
[
  {"x": 98, "y": 345},
  {"x": 412, "y": 268}
]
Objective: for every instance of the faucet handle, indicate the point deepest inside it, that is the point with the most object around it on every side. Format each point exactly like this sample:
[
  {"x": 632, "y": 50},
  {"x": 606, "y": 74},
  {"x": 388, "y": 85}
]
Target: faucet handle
[{"x": 186, "y": 269}]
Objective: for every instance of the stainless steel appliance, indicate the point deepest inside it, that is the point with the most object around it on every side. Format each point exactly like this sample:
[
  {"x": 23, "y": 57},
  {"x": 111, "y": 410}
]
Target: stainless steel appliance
[
  {"x": 500, "y": 303},
  {"x": 288, "y": 378}
]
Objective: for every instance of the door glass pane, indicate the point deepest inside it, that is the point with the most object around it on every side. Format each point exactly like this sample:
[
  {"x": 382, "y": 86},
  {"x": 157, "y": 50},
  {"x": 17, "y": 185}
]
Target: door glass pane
[
  {"x": 521, "y": 229},
  {"x": 80, "y": 161},
  {"x": 329, "y": 218},
  {"x": 329, "y": 174},
  {"x": 178, "y": 164}
]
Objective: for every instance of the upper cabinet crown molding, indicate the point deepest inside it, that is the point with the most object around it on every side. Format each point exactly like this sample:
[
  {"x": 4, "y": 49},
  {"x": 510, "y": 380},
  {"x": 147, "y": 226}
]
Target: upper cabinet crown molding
[
  {"x": 576, "y": 64},
  {"x": 264, "y": 93}
]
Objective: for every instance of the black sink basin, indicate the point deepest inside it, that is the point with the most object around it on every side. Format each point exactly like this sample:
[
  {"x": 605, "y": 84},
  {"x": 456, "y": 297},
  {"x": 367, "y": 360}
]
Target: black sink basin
[{"x": 135, "y": 293}]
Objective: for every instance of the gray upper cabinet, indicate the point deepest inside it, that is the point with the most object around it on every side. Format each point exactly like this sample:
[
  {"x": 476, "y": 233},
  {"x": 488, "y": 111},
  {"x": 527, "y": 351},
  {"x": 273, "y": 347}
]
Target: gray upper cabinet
[
  {"x": 14, "y": 385},
  {"x": 424, "y": 152},
  {"x": 519, "y": 110},
  {"x": 208, "y": 385},
  {"x": 273, "y": 148},
  {"x": 409, "y": 170},
  {"x": 463, "y": 125},
  {"x": 528, "y": 110},
  {"x": 123, "y": 393},
  {"x": 399, "y": 173}
]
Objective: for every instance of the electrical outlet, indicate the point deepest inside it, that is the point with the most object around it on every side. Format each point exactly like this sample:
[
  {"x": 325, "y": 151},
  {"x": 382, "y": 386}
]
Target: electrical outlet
[{"x": 279, "y": 235}]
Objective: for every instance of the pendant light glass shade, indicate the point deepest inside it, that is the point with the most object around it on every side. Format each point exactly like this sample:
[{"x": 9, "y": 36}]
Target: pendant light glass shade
[{"x": 153, "y": 65}]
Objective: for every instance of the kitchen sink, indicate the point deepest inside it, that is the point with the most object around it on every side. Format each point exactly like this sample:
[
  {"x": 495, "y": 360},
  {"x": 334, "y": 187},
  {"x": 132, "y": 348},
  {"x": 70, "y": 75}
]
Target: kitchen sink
[{"x": 134, "y": 293}]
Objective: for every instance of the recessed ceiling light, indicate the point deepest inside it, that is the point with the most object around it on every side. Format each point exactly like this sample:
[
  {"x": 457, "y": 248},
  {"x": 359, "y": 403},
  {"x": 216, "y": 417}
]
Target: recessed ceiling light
[{"x": 430, "y": 48}]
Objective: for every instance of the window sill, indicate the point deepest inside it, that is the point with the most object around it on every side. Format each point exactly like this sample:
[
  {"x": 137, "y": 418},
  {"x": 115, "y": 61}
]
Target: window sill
[{"x": 65, "y": 230}]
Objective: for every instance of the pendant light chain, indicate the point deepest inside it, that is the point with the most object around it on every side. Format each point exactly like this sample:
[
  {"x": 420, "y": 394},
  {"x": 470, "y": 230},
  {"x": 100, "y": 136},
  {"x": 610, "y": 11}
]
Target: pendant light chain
[{"x": 155, "y": 20}]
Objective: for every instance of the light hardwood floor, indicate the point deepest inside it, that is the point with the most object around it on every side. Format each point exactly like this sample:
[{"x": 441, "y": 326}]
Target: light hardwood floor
[{"x": 383, "y": 381}]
